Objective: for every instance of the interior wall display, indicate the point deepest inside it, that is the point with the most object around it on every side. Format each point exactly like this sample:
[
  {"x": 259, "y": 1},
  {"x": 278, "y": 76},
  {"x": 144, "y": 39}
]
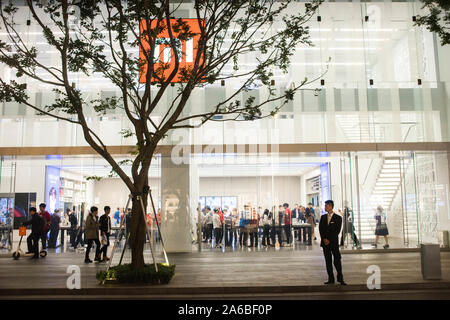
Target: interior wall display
[
  {"x": 229, "y": 202},
  {"x": 21, "y": 204},
  {"x": 214, "y": 202},
  {"x": 6, "y": 209},
  {"x": 14, "y": 207},
  {"x": 52, "y": 186},
  {"x": 313, "y": 185},
  {"x": 218, "y": 202},
  {"x": 325, "y": 181},
  {"x": 202, "y": 201}
]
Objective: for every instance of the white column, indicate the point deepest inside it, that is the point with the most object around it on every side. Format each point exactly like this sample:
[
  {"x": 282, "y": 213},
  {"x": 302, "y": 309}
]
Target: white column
[{"x": 179, "y": 195}]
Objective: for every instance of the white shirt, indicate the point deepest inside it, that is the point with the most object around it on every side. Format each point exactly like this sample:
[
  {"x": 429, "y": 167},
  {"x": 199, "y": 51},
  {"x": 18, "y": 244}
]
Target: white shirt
[
  {"x": 216, "y": 221},
  {"x": 329, "y": 216}
]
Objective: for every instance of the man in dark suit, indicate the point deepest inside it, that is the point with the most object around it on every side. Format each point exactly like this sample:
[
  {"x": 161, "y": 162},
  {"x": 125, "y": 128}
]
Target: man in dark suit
[
  {"x": 37, "y": 225},
  {"x": 329, "y": 228}
]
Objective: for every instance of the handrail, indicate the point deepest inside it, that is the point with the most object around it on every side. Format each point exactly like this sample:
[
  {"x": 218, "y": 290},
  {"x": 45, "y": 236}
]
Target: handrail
[
  {"x": 368, "y": 170},
  {"x": 407, "y": 133}
]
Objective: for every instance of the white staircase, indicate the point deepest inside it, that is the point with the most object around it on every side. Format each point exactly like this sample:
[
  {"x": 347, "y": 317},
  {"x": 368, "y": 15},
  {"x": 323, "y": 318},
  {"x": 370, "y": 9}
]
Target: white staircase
[
  {"x": 357, "y": 128},
  {"x": 387, "y": 186}
]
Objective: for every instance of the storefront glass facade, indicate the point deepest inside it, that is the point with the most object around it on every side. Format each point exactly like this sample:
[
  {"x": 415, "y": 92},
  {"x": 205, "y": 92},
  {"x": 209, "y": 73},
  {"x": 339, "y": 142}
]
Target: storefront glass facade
[
  {"x": 412, "y": 187},
  {"x": 386, "y": 82}
]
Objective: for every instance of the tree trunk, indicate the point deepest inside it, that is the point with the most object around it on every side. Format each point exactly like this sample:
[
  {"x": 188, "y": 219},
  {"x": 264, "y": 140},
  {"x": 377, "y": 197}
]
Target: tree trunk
[{"x": 138, "y": 231}]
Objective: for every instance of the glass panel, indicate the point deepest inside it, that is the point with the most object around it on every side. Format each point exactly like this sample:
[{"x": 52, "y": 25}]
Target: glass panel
[
  {"x": 411, "y": 236},
  {"x": 432, "y": 195}
]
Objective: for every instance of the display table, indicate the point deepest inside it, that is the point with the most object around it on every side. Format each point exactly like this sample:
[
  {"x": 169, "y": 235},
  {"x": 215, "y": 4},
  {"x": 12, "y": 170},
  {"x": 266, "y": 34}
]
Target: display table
[
  {"x": 68, "y": 228},
  {"x": 306, "y": 227}
]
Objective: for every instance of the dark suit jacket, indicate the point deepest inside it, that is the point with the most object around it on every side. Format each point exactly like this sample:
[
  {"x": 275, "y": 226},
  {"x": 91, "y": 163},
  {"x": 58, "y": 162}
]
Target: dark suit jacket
[
  {"x": 104, "y": 222},
  {"x": 331, "y": 231},
  {"x": 37, "y": 224}
]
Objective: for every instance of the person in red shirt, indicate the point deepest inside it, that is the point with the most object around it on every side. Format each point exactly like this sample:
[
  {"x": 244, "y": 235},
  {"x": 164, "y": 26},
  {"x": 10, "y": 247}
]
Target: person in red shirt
[
  {"x": 221, "y": 216},
  {"x": 287, "y": 223},
  {"x": 44, "y": 213},
  {"x": 158, "y": 216}
]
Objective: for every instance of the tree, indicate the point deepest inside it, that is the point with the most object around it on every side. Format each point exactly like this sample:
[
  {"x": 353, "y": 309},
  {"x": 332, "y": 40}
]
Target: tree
[
  {"x": 437, "y": 19},
  {"x": 224, "y": 31}
]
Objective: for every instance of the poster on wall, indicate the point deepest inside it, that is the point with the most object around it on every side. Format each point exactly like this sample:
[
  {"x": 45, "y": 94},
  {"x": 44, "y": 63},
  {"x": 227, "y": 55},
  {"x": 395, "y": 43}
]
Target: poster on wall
[
  {"x": 6, "y": 210},
  {"x": 218, "y": 202},
  {"x": 52, "y": 188},
  {"x": 229, "y": 203},
  {"x": 214, "y": 202},
  {"x": 324, "y": 182},
  {"x": 21, "y": 204}
]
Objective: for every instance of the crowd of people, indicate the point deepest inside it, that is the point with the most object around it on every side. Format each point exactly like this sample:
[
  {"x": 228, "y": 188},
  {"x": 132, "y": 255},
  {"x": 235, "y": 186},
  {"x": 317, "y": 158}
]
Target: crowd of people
[
  {"x": 92, "y": 230},
  {"x": 246, "y": 228},
  {"x": 220, "y": 227}
]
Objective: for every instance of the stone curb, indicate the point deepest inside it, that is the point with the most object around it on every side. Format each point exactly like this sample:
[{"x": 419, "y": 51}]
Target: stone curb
[{"x": 112, "y": 290}]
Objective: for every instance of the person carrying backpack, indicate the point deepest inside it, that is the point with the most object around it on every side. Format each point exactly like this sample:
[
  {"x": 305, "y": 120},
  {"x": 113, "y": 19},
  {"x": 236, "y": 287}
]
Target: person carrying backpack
[{"x": 37, "y": 225}]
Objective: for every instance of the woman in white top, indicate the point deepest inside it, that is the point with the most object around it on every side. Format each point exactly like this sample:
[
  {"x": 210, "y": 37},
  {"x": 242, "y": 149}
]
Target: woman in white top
[
  {"x": 381, "y": 227},
  {"x": 217, "y": 228}
]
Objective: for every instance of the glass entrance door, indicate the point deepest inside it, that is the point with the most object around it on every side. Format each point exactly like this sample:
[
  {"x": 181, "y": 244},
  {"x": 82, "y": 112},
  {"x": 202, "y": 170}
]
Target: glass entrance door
[{"x": 349, "y": 237}]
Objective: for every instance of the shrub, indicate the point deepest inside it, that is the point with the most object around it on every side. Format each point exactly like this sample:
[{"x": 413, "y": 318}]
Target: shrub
[{"x": 125, "y": 274}]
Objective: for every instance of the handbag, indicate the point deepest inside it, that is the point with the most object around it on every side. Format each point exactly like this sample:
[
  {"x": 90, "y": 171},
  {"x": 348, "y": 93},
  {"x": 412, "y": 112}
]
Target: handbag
[
  {"x": 103, "y": 241},
  {"x": 22, "y": 231}
]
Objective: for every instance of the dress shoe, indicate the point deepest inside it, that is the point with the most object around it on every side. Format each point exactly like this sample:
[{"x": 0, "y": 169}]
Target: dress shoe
[
  {"x": 106, "y": 259},
  {"x": 329, "y": 282},
  {"x": 342, "y": 283},
  {"x": 87, "y": 261},
  {"x": 386, "y": 246}
]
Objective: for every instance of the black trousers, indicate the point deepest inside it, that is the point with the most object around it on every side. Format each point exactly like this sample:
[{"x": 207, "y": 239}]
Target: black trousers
[
  {"x": 204, "y": 232},
  {"x": 33, "y": 243},
  {"x": 44, "y": 240},
  {"x": 265, "y": 237},
  {"x": 79, "y": 239},
  {"x": 53, "y": 238},
  {"x": 230, "y": 233},
  {"x": 243, "y": 236},
  {"x": 218, "y": 235},
  {"x": 97, "y": 248},
  {"x": 287, "y": 232},
  {"x": 104, "y": 248},
  {"x": 354, "y": 237},
  {"x": 253, "y": 238},
  {"x": 331, "y": 252},
  {"x": 209, "y": 232},
  {"x": 277, "y": 232},
  {"x": 73, "y": 236}
]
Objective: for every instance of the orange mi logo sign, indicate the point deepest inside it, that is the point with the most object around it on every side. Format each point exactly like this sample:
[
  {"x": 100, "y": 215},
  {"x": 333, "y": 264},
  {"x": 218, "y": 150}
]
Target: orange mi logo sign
[{"x": 164, "y": 57}]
